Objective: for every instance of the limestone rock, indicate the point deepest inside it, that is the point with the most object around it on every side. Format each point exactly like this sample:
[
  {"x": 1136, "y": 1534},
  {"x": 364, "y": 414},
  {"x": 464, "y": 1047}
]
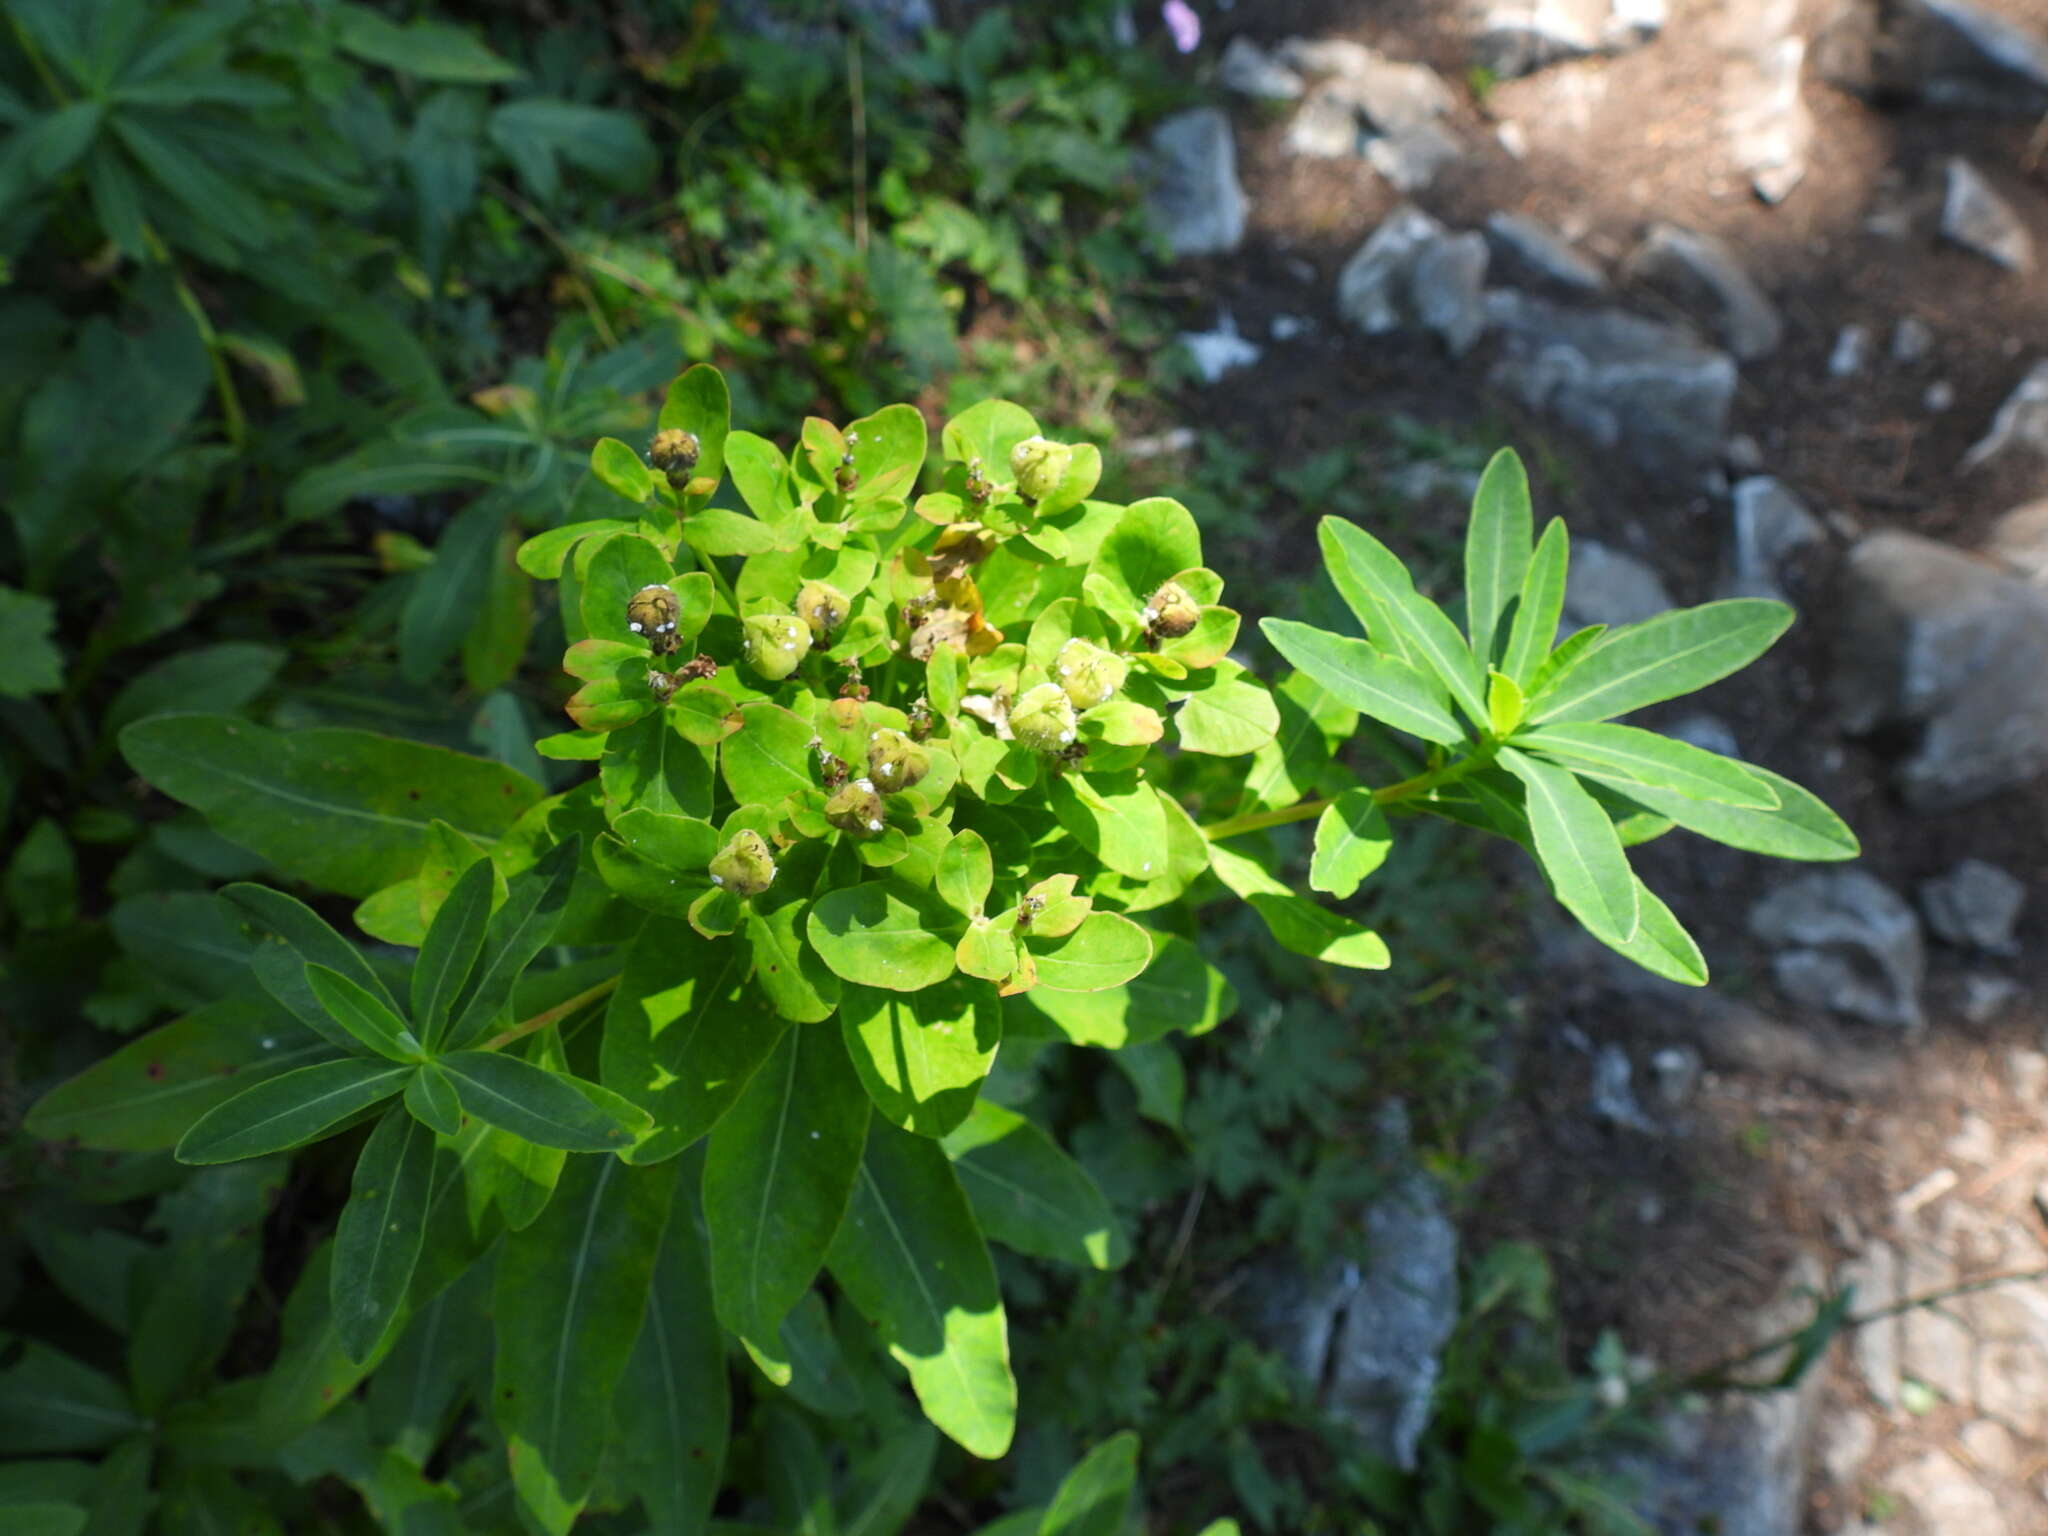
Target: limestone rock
[
  {"x": 1608, "y": 586},
  {"x": 1703, "y": 275},
  {"x": 1541, "y": 252},
  {"x": 1325, "y": 125},
  {"x": 1411, "y": 158},
  {"x": 1947, "y": 1497},
  {"x": 2019, "y": 539},
  {"x": 1771, "y": 525},
  {"x": 1929, "y": 637},
  {"x": 1846, "y": 942},
  {"x": 1195, "y": 197},
  {"x": 1974, "y": 905},
  {"x": 1770, "y": 130},
  {"x": 1976, "y": 218},
  {"x": 1957, "y": 54},
  {"x": 1513, "y": 37},
  {"x": 1412, "y": 273},
  {"x": 2021, "y": 422},
  {"x": 1622, "y": 382},
  {"x": 1250, "y": 71}
]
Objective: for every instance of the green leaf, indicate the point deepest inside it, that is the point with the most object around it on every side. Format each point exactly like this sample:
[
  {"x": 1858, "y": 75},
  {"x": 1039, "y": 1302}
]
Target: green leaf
[
  {"x": 368, "y": 1021},
  {"x": 1429, "y": 640},
  {"x": 518, "y": 931},
  {"x": 42, "y": 1517},
  {"x": 1496, "y": 548},
  {"x": 1029, "y": 1195},
  {"x": 51, "y": 1403},
  {"x": 218, "y": 679},
  {"x": 382, "y": 1227},
  {"x": 923, "y": 1055},
  {"x": 966, "y": 872},
  {"x": 1364, "y": 679},
  {"x": 769, "y": 758},
  {"x": 449, "y": 594},
  {"x": 543, "y": 556},
  {"x": 307, "y": 940},
  {"x": 1674, "y": 653},
  {"x": 428, "y": 50},
  {"x": 684, "y": 1033},
  {"x": 1801, "y": 827},
  {"x": 190, "y": 947},
  {"x": 649, "y": 765},
  {"x": 778, "y": 1171},
  {"x": 1578, "y": 848},
  {"x": 431, "y": 1099},
  {"x": 1538, "y": 607},
  {"x": 878, "y": 934},
  {"x": 1153, "y": 542},
  {"x": 699, "y": 402},
  {"x": 1627, "y": 754},
  {"x": 910, "y": 1259},
  {"x": 714, "y": 531},
  {"x": 1095, "y": 1497},
  {"x": 1661, "y": 944},
  {"x": 447, "y": 959},
  {"x": 29, "y": 659},
  {"x": 347, "y": 811},
  {"x": 616, "y": 569},
  {"x": 1504, "y": 704},
  {"x": 540, "y": 1106},
  {"x": 1226, "y": 712},
  {"x": 988, "y": 431},
  {"x": 1105, "y": 951},
  {"x": 571, "y": 1294},
  {"x": 1178, "y": 990},
  {"x": 1298, "y": 923},
  {"x": 288, "y": 1111},
  {"x": 146, "y": 1095},
  {"x": 673, "y": 1409},
  {"x": 798, "y": 984},
  {"x": 1352, "y": 840},
  {"x": 1118, "y": 818}
]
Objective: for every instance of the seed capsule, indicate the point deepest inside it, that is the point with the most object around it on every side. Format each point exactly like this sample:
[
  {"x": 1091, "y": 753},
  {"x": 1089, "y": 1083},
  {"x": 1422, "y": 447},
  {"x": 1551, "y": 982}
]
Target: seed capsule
[
  {"x": 652, "y": 612},
  {"x": 674, "y": 452},
  {"x": 776, "y": 644},
  {"x": 1171, "y": 613},
  {"x": 1089, "y": 674},
  {"x": 745, "y": 866},
  {"x": 822, "y": 606},
  {"x": 895, "y": 761},
  {"x": 856, "y": 806},
  {"x": 1039, "y": 465},
  {"x": 1043, "y": 719}
]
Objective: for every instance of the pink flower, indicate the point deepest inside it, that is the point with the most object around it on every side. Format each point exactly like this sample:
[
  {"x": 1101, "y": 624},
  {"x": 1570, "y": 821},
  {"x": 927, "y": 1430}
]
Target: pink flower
[{"x": 1183, "y": 23}]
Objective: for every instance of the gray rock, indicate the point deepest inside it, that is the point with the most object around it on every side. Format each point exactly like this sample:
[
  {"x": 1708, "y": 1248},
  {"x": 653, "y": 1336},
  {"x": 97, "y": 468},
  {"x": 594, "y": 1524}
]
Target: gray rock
[
  {"x": 1677, "y": 1070},
  {"x": 1846, "y": 942},
  {"x": 1608, "y": 586},
  {"x": 1195, "y": 198},
  {"x": 1538, "y": 251},
  {"x": 1702, "y": 275},
  {"x": 1325, "y": 125},
  {"x": 1622, "y": 382},
  {"x": 1770, "y": 131},
  {"x": 1514, "y": 37},
  {"x": 1946, "y": 53},
  {"x": 1928, "y": 637},
  {"x": 1912, "y": 340},
  {"x": 1710, "y": 733},
  {"x": 1613, "y": 1096},
  {"x": 1976, "y": 218},
  {"x": 1975, "y": 905},
  {"x": 1371, "y": 1333},
  {"x": 1744, "y": 455},
  {"x": 1879, "y": 1279},
  {"x": 1986, "y": 997},
  {"x": 1410, "y": 158},
  {"x": 1412, "y": 273},
  {"x": 2021, "y": 422},
  {"x": 1851, "y": 352},
  {"x": 1939, "y": 396},
  {"x": 1250, "y": 71},
  {"x": 1771, "y": 525},
  {"x": 1947, "y": 1496},
  {"x": 1389, "y": 94},
  {"x": 1326, "y": 56},
  {"x": 1221, "y": 351},
  {"x": 2020, "y": 539}
]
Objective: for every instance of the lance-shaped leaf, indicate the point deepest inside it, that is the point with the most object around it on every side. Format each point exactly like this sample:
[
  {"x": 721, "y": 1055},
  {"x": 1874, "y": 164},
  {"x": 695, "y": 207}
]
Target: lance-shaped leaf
[
  {"x": 543, "y": 1107},
  {"x": 1578, "y": 848},
  {"x": 879, "y": 934},
  {"x": 777, "y": 1174},
  {"x": 1675, "y": 653},
  {"x": 1028, "y": 1194},
  {"x": 1366, "y": 679},
  {"x": 571, "y": 1294},
  {"x": 1298, "y": 923},
  {"x": 519, "y": 930},
  {"x": 52, "y": 1403},
  {"x": 1496, "y": 547},
  {"x": 291, "y": 1110},
  {"x": 1539, "y": 606},
  {"x": 377, "y": 1242},
  {"x": 431, "y": 1099},
  {"x": 923, "y": 1055},
  {"x": 1094, "y": 1498},
  {"x": 1623, "y": 755},
  {"x": 911, "y": 1260},
  {"x": 1801, "y": 827},
  {"x": 448, "y": 956},
  {"x": 1429, "y": 640},
  {"x": 1352, "y": 840},
  {"x": 312, "y": 939},
  {"x": 1660, "y": 943},
  {"x": 372, "y": 1025}
]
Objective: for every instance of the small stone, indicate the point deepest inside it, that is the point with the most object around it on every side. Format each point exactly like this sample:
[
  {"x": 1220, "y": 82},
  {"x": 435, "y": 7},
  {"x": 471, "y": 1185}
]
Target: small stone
[
  {"x": 1847, "y": 943},
  {"x": 1221, "y": 351},
  {"x": 1517, "y": 37},
  {"x": 2021, "y": 422},
  {"x": 1975, "y": 905},
  {"x": 1325, "y": 126},
  {"x": 1250, "y": 71},
  {"x": 1743, "y": 455},
  {"x": 1989, "y": 1445},
  {"x": 1411, "y": 158},
  {"x": 1288, "y": 327},
  {"x": 2026, "y": 1073},
  {"x": 1877, "y": 1277},
  {"x": 1412, "y": 272},
  {"x": 1606, "y": 586},
  {"x": 1195, "y": 198},
  {"x": 1973, "y": 1142},
  {"x": 1851, "y": 352},
  {"x": 1985, "y": 996},
  {"x": 1702, "y": 273},
  {"x": 1513, "y": 139},
  {"x": 1541, "y": 252},
  {"x": 1947, "y": 1497},
  {"x": 1770, "y": 525},
  {"x": 1710, "y": 733},
  {"x": 2020, "y": 539},
  {"x": 1770, "y": 129},
  {"x": 1678, "y": 1074},
  {"x": 1912, "y": 340},
  {"x": 1613, "y": 1095},
  {"x": 1976, "y": 218},
  {"x": 1938, "y": 397},
  {"x": 1847, "y": 1440}
]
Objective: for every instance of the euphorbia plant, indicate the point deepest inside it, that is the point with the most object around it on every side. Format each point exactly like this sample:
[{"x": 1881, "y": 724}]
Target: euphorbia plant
[{"x": 881, "y": 777}]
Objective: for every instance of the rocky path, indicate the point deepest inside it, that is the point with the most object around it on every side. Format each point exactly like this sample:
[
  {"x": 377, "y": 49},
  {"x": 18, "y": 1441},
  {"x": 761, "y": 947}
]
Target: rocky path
[{"x": 1756, "y": 282}]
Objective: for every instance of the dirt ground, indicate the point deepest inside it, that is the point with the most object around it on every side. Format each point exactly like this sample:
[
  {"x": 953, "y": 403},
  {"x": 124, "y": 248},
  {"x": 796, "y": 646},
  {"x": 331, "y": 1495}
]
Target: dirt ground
[{"x": 1804, "y": 1131}]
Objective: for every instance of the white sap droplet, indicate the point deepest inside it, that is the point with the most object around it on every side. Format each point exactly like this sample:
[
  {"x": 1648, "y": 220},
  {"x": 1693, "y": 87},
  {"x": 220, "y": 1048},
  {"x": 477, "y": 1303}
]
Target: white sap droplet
[
  {"x": 720, "y": 879},
  {"x": 874, "y": 826},
  {"x": 634, "y": 626}
]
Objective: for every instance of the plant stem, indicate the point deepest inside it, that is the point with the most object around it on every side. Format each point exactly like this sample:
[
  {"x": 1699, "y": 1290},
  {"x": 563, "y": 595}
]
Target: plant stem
[
  {"x": 553, "y": 1015},
  {"x": 1390, "y": 794}
]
